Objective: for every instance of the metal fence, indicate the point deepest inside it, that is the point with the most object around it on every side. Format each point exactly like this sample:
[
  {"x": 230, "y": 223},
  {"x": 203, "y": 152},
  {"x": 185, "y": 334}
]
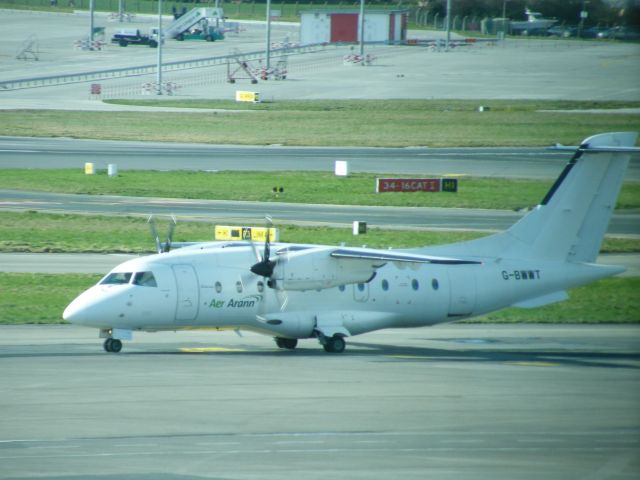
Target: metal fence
[{"x": 149, "y": 69}]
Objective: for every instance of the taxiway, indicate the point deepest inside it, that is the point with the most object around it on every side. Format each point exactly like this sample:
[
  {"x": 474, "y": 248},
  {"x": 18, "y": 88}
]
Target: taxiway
[{"x": 447, "y": 402}]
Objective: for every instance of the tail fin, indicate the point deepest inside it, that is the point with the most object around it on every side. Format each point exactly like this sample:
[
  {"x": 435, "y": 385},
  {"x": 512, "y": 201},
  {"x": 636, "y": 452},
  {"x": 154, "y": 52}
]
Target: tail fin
[{"x": 570, "y": 222}]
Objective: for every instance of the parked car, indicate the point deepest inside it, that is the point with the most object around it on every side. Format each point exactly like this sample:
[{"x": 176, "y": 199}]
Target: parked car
[
  {"x": 597, "y": 32},
  {"x": 625, "y": 33},
  {"x": 563, "y": 31}
]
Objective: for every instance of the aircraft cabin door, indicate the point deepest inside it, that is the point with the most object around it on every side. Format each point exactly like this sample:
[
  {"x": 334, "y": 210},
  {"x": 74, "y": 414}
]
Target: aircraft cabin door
[
  {"x": 462, "y": 291},
  {"x": 188, "y": 294}
]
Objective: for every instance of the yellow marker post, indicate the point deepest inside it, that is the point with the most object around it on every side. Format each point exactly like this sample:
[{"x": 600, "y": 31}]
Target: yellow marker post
[{"x": 89, "y": 169}]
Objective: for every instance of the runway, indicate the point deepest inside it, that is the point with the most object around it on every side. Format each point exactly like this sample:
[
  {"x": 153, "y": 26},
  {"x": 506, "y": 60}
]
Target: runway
[
  {"x": 282, "y": 212},
  {"x": 505, "y": 162},
  {"x": 447, "y": 402},
  {"x": 512, "y": 162}
]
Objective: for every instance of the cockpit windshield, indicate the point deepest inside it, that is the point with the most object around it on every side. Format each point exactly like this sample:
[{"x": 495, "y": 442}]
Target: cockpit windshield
[
  {"x": 116, "y": 278},
  {"x": 142, "y": 279},
  {"x": 145, "y": 279}
]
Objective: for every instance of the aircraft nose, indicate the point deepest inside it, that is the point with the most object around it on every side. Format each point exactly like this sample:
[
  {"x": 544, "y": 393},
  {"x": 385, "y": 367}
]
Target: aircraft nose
[
  {"x": 87, "y": 309},
  {"x": 75, "y": 311}
]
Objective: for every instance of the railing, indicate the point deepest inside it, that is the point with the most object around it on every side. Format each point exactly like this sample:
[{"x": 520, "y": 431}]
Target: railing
[{"x": 149, "y": 69}]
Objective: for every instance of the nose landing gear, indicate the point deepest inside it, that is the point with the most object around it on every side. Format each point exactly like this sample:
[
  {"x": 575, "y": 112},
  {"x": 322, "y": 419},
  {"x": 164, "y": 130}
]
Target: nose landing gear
[{"x": 112, "y": 345}]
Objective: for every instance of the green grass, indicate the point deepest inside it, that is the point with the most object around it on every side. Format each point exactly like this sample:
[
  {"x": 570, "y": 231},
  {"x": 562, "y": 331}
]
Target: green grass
[
  {"x": 614, "y": 300},
  {"x": 39, "y": 232},
  {"x": 382, "y": 123},
  {"x": 41, "y": 298},
  {"x": 299, "y": 187}
]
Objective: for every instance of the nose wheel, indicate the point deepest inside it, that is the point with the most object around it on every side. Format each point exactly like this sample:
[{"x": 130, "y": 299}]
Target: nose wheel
[{"x": 112, "y": 345}]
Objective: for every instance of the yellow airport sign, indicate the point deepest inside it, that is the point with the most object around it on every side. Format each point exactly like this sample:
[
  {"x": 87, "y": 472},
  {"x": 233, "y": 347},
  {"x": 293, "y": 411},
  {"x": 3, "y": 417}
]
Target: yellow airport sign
[
  {"x": 258, "y": 234},
  {"x": 242, "y": 96}
]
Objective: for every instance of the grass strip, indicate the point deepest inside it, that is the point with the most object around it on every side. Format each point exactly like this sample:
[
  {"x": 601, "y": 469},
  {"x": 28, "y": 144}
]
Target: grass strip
[
  {"x": 373, "y": 123},
  {"x": 41, "y": 299},
  {"x": 613, "y": 300},
  {"x": 42, "y": 232},
  {"x": 299, "y": 187}
]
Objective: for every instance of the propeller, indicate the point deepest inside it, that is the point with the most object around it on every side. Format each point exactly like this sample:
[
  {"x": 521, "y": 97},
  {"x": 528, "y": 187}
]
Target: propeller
[
  {"x": 265, "y": 267},
  {"x": 166, "y": 246}
]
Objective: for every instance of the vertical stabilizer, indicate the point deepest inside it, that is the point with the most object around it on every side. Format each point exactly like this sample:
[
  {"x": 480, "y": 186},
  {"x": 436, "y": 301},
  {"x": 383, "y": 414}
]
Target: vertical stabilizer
[{"x": 570, "y": 222}]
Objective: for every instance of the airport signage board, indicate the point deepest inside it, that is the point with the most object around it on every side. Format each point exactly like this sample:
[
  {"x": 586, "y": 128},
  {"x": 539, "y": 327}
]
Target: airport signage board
[
  {"x": 243, "y": 96},
  {"x": 416, "y": 185},
  {"x": 258, "y": 234}
]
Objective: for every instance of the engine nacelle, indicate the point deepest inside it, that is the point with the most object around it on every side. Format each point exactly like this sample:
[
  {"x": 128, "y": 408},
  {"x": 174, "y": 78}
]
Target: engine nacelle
[{"x": 309, "y": 270}]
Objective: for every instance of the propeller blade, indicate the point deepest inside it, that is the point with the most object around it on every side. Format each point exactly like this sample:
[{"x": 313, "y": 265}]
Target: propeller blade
[
  {"x": 154, "y": 233},
  {"x": 172, "y": 226},
  {"x": 267, "y": 241},
  {"x": 265, "y": 267}
]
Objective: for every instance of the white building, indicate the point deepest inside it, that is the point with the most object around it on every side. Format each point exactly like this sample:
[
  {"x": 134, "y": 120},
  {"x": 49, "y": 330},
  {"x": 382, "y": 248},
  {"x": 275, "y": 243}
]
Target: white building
[{"x": 341, "y": 26}]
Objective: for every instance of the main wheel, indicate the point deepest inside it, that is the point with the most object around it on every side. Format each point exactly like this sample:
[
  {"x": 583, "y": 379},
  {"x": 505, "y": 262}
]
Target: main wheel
[
  {"x": 288, "y": 343},
  {"x": 107, "y": 345},
  {"x": 335, "y": 344}
]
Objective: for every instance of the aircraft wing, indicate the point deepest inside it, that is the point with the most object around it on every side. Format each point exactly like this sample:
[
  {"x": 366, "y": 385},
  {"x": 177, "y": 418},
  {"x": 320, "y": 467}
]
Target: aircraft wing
[
  {"x": 328, "y": 267},
  {"x": 389, "y": 256}
]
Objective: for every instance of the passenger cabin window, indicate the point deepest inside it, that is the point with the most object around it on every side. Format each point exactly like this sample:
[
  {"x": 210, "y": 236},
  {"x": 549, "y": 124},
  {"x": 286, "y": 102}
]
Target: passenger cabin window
[
  {"x": 144, "y": 279},
  {"x": 116, "y": 278}
]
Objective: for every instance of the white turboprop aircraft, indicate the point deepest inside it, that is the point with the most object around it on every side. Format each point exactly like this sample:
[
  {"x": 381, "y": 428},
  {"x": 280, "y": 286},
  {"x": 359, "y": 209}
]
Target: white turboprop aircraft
[{"x": 298, "y": 291}]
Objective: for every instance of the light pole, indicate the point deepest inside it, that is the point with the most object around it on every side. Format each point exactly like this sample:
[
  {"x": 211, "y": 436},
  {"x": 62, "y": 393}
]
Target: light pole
[
  {"x": 583, "y": 15},
  {"x": 361, "y": 29},
  {"x": 268, "y": 49},
  {"x": 91, "y": 8},
  {"x": 448, "y": 24},
  {"x": 159, "y": 78}
]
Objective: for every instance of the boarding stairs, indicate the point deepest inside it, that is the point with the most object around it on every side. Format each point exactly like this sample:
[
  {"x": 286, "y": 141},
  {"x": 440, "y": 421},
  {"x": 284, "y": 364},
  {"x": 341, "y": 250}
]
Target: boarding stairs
[{"x": 189, "y": 19}]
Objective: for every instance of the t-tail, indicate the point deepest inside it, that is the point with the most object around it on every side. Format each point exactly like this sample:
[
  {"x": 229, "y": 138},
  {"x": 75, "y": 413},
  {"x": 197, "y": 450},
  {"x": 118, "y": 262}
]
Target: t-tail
[
  {"x": 564, "y": 232},
  {"x": 570, "y": 222}
]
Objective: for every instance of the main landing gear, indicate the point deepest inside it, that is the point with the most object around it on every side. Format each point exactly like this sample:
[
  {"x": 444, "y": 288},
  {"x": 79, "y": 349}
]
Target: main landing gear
[
  {"x": 335, "y": 344},
  {"x": 286, "y": 343},
  {"x": 112, "y": 345}
]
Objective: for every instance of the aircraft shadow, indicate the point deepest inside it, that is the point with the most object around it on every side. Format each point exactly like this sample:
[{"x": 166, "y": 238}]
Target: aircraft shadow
[{"x": 372, "y": 351}]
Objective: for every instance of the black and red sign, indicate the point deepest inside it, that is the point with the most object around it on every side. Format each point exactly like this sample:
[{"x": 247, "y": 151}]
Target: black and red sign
[{"x": 416, "y": 185}]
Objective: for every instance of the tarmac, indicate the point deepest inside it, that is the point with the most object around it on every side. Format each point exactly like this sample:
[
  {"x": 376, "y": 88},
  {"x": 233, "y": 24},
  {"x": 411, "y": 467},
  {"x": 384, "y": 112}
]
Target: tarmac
[
  {"x": 516, "y": 69},
  {"x": 447, "y": 402}
]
